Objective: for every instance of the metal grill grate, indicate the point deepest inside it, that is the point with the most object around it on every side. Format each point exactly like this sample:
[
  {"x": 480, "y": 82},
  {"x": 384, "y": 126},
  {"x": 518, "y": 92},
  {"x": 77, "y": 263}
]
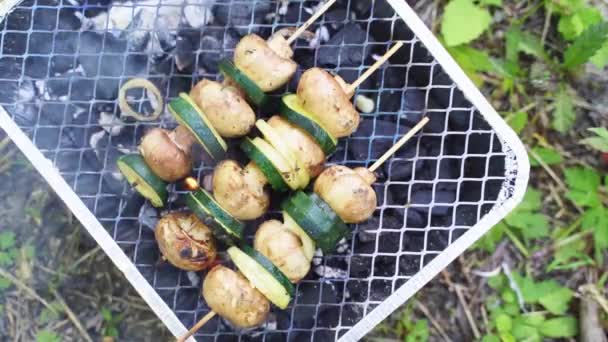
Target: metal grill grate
[{"x": 61, "y": 64}]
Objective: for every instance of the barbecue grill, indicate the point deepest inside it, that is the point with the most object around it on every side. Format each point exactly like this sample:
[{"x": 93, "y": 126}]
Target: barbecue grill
[{"x": 63, "y": 61}]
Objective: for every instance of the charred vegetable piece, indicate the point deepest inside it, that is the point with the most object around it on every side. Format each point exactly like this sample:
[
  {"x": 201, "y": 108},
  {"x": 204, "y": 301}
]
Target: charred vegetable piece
[
  {"x": 141, "y": 177},
  {"x": 185, "y": 241},
  {"x": 254, "y": 93},
  {"x": 187, "y": 113},
  {"x": 273, "y": 137},
  {"x": 233, "y": 297},
  {"x": 317, "y": 219},
  {"x": 263, "y": 274},
  {"x": 268, "y": 168},
  {"x": 225, "y": 227},
  {"x": 292, "y": 110}
]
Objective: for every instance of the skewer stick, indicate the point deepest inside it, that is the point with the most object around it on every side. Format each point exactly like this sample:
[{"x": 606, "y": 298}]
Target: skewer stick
[
  {"x": 197, "y": 326},
  {"x": 351, "y": 88},
  {"x": 309, "y": 22},
  {"x": 399, "y": 144}
]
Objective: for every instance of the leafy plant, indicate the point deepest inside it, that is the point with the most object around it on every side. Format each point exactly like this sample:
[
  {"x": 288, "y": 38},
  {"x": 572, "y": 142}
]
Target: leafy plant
[
  {"x": 463, "y": 21},
  {"x": 600, "y": 141},
  {"x": 510, "y": 323},
  {"x": 110, "y": 323},
  {"x": 47, "y": 336},
  {"x": 547, "y": 155},
  {"x": 8, "y": 252}
]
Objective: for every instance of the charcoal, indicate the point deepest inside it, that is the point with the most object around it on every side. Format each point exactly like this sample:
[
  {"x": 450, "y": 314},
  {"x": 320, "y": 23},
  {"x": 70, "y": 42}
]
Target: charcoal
[
  {"x": 240, "y": 16},
  {"x": 332, "y": 55},
  {"x": 362, "y": 8},
  {"x": 359, "y": 148},
  {"x": 214, "y": 45},
  {"x": 19, "y": 20},
  {"x": 82, "y": 89},
  {"x": 380, "y": 289},
  {"x": 95, "y": 63},
  {"x": 148, "y": 216},
  {"x": 45, "y": 19},
  {"x": 36, "y": 66},
  {"x": 184, "y": 52},
  {"x": 40, "y": 43},
  {"x": 68, "y": 20},
  {"x": 415, "y": 218},
  {"x": 58, "y": 87},
  {"x": 293, "y": 15},
  {"x": 328, "y": 317},
  {"x": 14, "y": 43},
  {"x": 60, "y": 64}
]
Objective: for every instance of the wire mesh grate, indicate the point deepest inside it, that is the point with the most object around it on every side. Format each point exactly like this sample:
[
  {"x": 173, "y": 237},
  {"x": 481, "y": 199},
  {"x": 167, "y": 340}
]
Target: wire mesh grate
[{"x": 62, "y": 62}]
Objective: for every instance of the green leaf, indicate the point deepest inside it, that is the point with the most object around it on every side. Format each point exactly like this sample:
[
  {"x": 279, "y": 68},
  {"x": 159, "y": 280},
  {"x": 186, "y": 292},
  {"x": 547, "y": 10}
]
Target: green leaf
[
  {"x": 599, "y": 142},
  {"x": 419, "y": 332},
  {"x": 548, "y": 155},
  {"x": 497, "y": 282},
  {"x": 583, "y": 184},
  {"x": 596, "y": 219},
  {"x": 565, "y": 326},
  {"x": 491, "y": 2},
  {"x": 7, "y": 240},
  {"x": 47, "y": 336},
  {"x": 600, "y": 59},
  {"x": 489, "y": 240},
  {"x": 586, "y": 45},
  {"x": 6, "y": 259},
  {"x": 106, "y": 314},
  {"x": 531, "y": 201},
  {"x": 472, "y": 61},
  {"x": 523, "y": 331},
  {"x": 557, "y": 301},
  {"x": 518, "y": 121},
  {"x": 4, "y": 283},
  {"x": 504, "y": 323},
  {"x": 517, "y": 41},
  {"x": 490, "y": 338},
  {"x": 531, "y": 226},
  {"x": 563, "y": 115},
  {"x": 533, "y": 318},
  {"x": 463, "y": 21},
  {"x": 532, "y": 291},
  {"x": 571, "y": 26}
]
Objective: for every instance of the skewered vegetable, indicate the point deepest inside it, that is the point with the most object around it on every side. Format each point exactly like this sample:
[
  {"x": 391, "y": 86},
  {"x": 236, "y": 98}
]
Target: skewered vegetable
[
  {"x": 225, "y": 108},
  {"x": 168, "y": 153},
  {"x": 232, "y": 296},
  {"x": 263, "y": 275},
  {"x": 283, "y": 248},
  {"x": 348, "y": 192},
  {"x": 141, "y": 177},
  {"x": 275, "y": 168},
  {"x": 233, "y": 76},
  {"x": 268, "y": 65},
  {"x": 305, "y": 149},
  {"x": 187, "y": 113},
  {"x": 240, "y": 191},
  {"x": 225, "y": 227},
  {"x": 185, "y": 241},
  {"x": 323, "y": 96}
]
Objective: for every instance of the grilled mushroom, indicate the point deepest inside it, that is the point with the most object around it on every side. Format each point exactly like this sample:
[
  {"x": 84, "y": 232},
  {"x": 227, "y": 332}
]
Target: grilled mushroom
[
  {"x": 348, "y": 192},
  {"x": 240, "y": 191},
  {"x": 309, "y": 152},
  {"x": 283, "y": 248},
  {"x": 167, "y": 153},
  {"x": 324, "y": 96},
  {"x": 185, "y": 241},
  {"x": 268, "y": 64},
  {"x": 225, "y": 107},
  {"x": 231, "y": 295}
]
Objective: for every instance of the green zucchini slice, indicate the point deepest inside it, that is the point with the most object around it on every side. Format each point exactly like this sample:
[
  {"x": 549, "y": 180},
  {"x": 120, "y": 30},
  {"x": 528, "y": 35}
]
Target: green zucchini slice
[
  {"x": 292, "y": 110},
  {"x": 317, "y": 219},
  {"x": 254, "y": 93},
  {"x": 308, "y": 245},
  {"x": 189, "y": 115},
  {"x": 225, "y": 227},
  {"x": 263, "y": 275},
  {"x": 272, "y": 173},
  {"x": 140, "y": 176},
  {"x": 273, "y": 137}
]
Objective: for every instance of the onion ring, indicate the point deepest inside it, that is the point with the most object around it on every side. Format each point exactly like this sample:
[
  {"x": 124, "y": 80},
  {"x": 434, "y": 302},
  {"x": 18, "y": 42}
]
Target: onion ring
[{"x": 126, "y": 108}]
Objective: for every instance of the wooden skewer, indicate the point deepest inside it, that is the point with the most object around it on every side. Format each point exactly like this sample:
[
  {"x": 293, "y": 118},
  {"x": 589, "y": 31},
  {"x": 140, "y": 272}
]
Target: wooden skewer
[
  {"x": 351, "y": 88},
  {"x": 399, "y": 144},
  {"x": 309, "y": 22},
  {"x": 197, "y": 326}
]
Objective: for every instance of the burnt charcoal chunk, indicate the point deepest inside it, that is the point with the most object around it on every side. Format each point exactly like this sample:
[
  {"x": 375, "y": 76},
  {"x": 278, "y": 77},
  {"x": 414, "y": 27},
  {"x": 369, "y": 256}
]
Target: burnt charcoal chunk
[
  {"x": 328, "y": 317},
  {"x": 107, "y": 63},
  {"x": 362, "y": 8},
  {"x": 107, "y": 88},
  {"x": 415, "y": 218},
  {"x": 359, "y": 148},
  {"x": 68, "y": 20},
  {"x": 65, "y": 42},
  {"x": 36, "y": 66},
  {"x": 40, "y": 43},
  {"x": 148, "y": 216},
  {"x": 333, "y": 53},
  {"x": 82, "y": 89},
  {"x": 45, "y": 19},
  {"x": 61, "y": 64},
  {"x": 185, "y": 52},
  {"x": 19, "y": 20},
  {"x": 240, "y": 16},
  {"x": 210, "y": 56},
  {"x": 296, "y": 13},
  {"x": 14, "y": 43},
  {"x": 58, "y": 86}
]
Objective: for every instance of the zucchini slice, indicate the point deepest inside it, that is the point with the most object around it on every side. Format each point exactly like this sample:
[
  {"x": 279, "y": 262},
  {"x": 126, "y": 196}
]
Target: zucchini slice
[
  {"x": 263, "y": 274},
  {"x": 273, "y": 137},
  {"x": 261, "y": 159},
  {"x": 292, "y": 110},
  {"x": 140, "y": 176},
  {"x": 254, "y": 93},
  {"x": 225, "y": 227},
  {"x": 317, "y": 219},
  {"x": 307, "y": 244},
  {"x": 189, "y": 115}
]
